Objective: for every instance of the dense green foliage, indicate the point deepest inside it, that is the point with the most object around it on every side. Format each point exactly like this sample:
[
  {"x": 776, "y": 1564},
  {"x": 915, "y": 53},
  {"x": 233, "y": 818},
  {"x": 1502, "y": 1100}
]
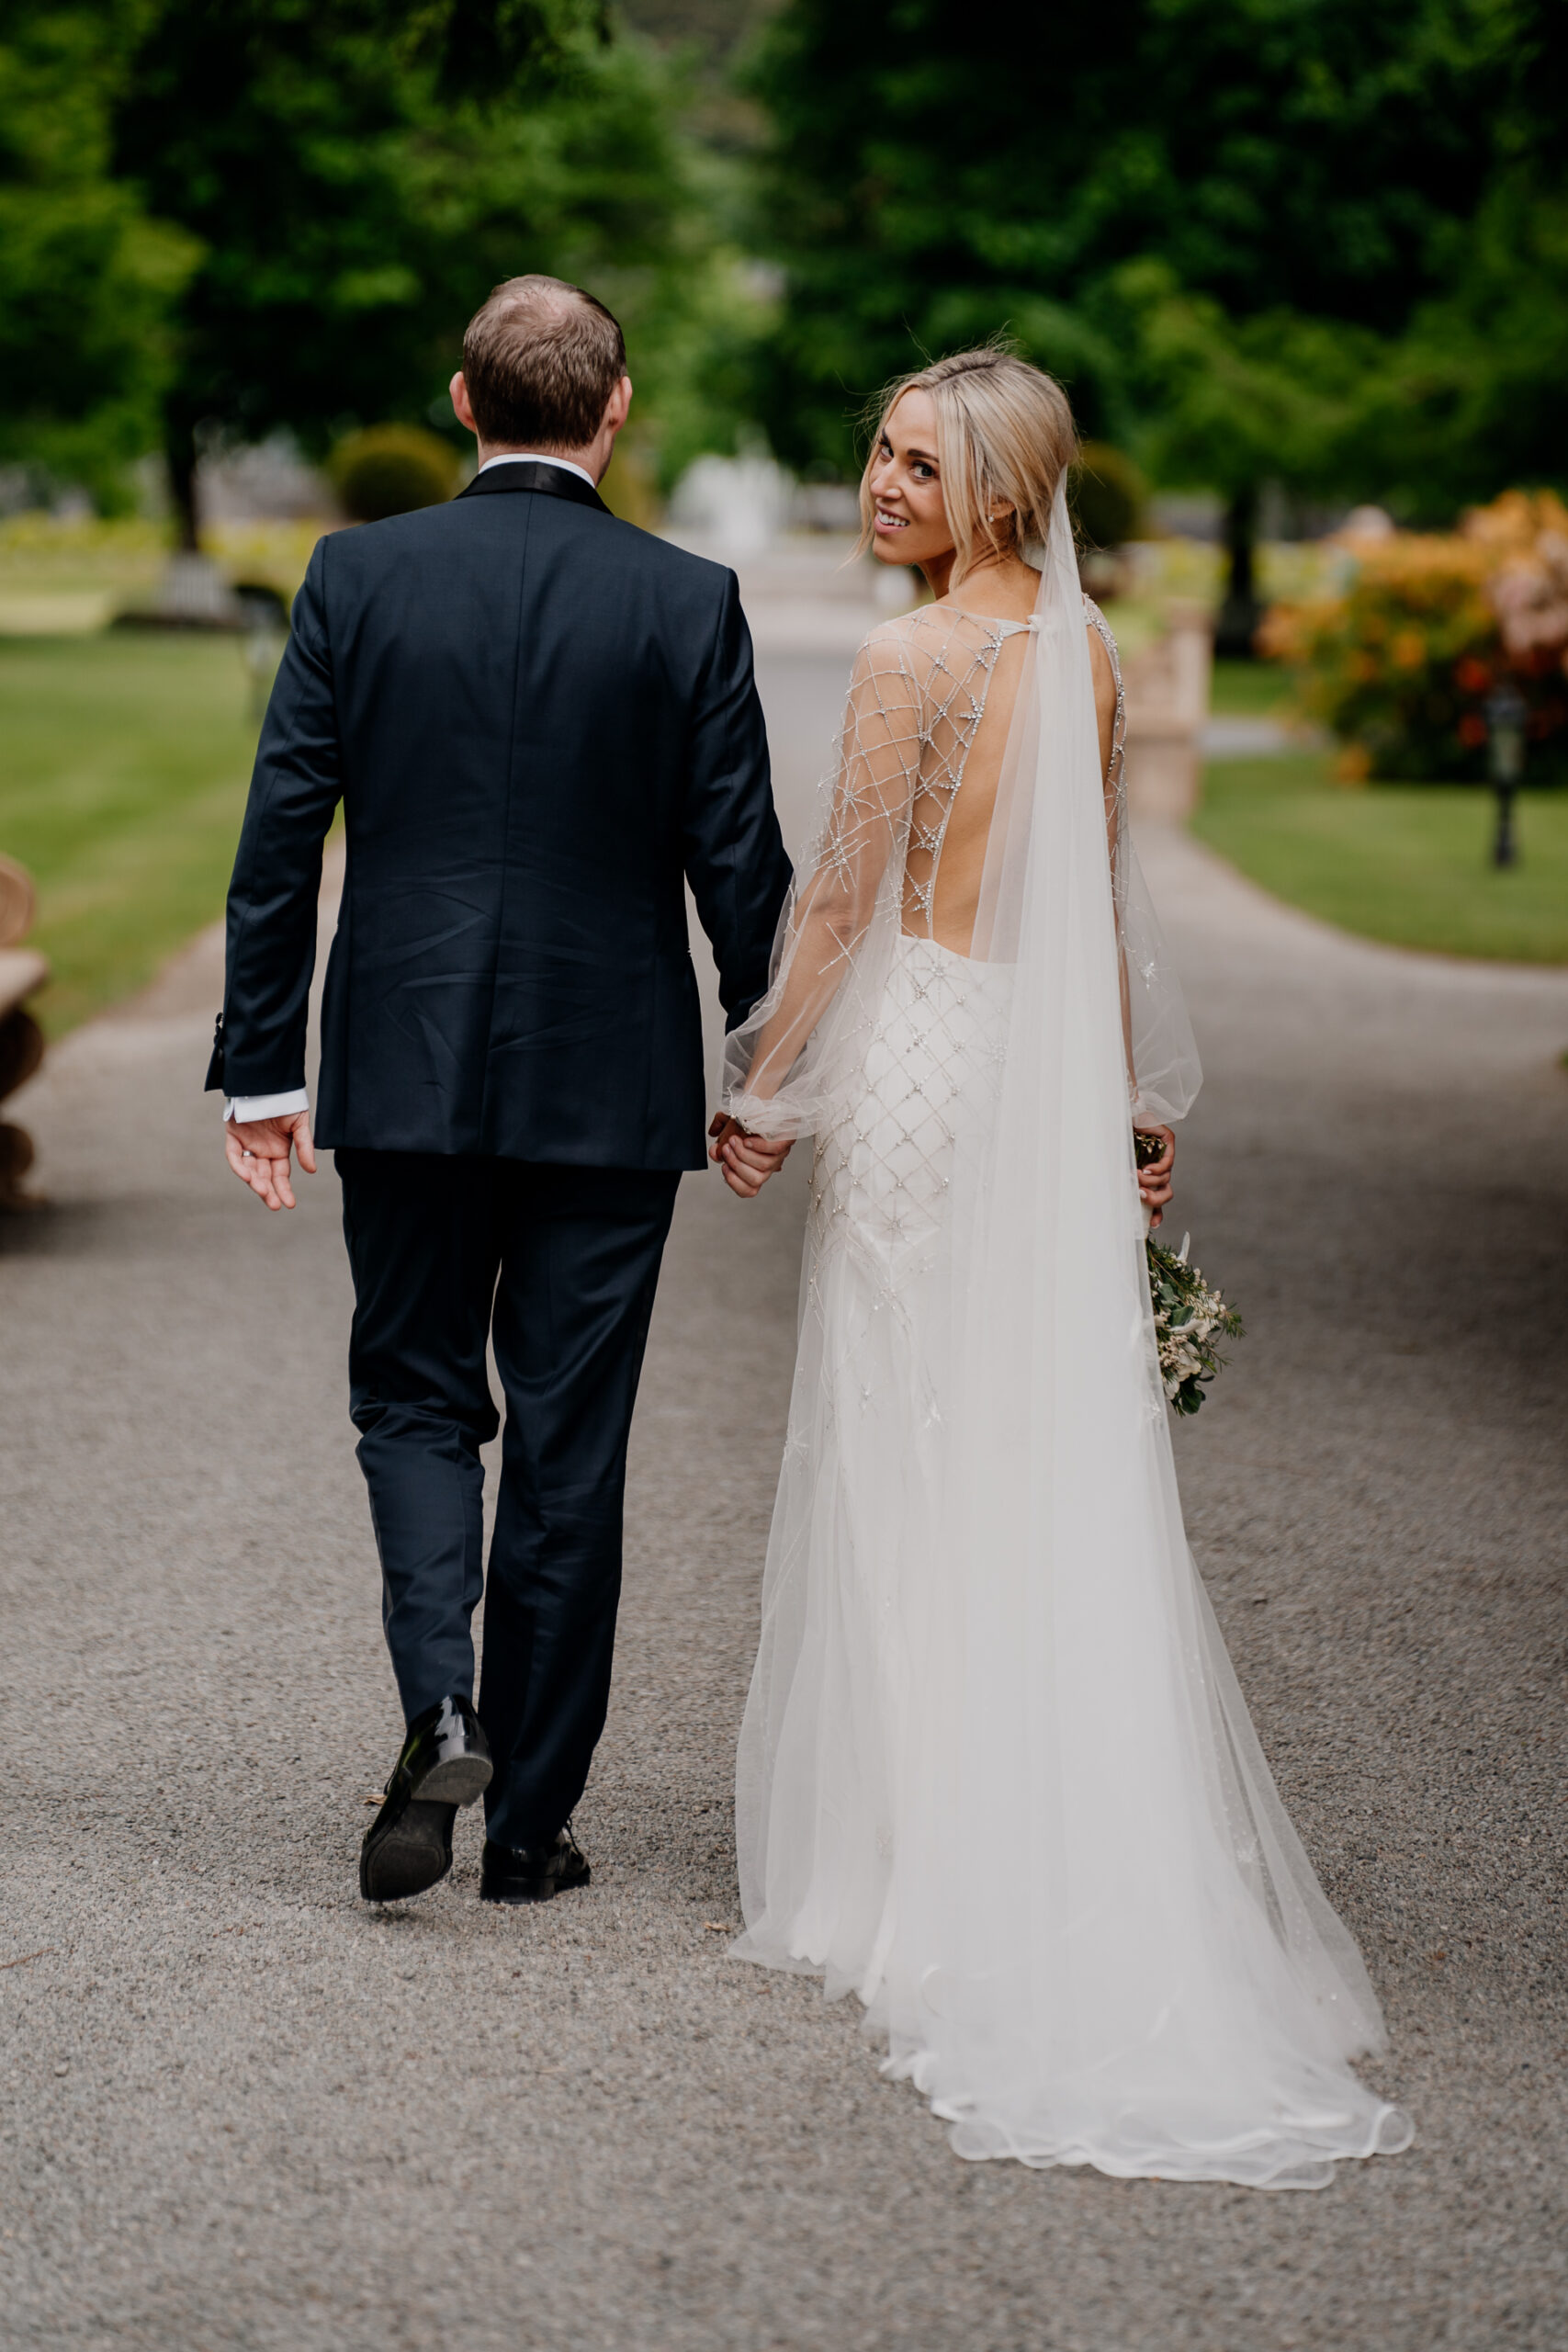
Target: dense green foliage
[
  {"x": 1253, "y": 236},
  {"x": 358, "y": 178},
  {"x": 1305, "y": 241},
  {"x": 86, "y": 279},
  {"x": 222, "y": 217}
]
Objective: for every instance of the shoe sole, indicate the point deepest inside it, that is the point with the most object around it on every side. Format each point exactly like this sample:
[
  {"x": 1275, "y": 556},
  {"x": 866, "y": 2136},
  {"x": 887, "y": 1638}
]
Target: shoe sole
[
  {"x": 411, "y": 1857},
  {"x": 458, "y": 1781},
  {"x": 534, "y": 1890}
]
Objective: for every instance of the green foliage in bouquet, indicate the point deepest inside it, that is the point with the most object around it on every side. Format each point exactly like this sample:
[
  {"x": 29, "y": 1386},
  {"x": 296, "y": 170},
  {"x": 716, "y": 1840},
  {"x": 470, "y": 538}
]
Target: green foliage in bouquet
[
  {"x": 1400, "y": 664},
  {"x": 1189, "y": 1319}
]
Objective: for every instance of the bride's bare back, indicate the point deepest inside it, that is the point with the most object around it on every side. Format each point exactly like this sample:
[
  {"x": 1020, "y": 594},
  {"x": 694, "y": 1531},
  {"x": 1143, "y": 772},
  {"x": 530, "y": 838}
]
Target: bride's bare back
[{"x": 965, "y": 668}]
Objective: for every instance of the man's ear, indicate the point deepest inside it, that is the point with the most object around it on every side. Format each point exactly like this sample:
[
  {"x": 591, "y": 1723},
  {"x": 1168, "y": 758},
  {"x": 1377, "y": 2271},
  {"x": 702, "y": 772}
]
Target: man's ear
[{"x": 459, "y": 389}]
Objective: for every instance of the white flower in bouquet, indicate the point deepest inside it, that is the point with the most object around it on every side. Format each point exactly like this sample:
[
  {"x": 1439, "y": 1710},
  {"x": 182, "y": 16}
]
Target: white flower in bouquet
[{"x": 1189, "y": 1319}]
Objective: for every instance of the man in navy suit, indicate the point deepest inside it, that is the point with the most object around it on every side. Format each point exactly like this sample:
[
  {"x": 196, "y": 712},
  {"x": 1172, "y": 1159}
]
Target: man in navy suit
[{"x": 541, "y": 724}]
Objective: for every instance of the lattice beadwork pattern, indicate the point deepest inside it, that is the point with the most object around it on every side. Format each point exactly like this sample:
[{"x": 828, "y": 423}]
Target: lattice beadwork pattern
[
  {"x": 935, "y": 1040},
  {"x": 917, "y": 699}
]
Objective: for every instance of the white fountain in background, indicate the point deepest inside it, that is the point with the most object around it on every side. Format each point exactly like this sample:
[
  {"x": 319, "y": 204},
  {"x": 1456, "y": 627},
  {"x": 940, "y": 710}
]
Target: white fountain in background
[{"x": 737, "y": 506}]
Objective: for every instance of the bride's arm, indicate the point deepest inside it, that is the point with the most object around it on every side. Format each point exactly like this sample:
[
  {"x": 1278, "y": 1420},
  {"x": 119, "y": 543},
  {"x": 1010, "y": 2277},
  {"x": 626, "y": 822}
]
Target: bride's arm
[
  {"x": 1155, "y": 1179},
  {"x": 835, "y": 896}
]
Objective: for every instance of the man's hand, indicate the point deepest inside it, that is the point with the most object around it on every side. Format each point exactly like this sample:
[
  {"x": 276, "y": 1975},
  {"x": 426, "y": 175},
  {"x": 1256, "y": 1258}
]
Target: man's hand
[
  {"x": 258, "y": 1151},
  {"x": 747, "y": 1161},
  {"x": 1154, "y": 1180}
]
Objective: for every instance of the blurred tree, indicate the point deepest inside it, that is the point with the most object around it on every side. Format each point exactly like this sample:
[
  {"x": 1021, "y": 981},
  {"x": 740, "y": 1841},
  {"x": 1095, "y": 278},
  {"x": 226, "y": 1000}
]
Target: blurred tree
[
  {"x": 1472, "y": 396},
  {"x": 704, "y": 37},
  {"x": 359, "y": 175},
  {"x": 591, "y": 179},
  {"x": 1228, "y": 404},
  {"x": 933, "y": 177},
  {"x": 86, "y": 280},
  {"x": 930, "y": 175},
  {"x": 1107, "y": 495}
]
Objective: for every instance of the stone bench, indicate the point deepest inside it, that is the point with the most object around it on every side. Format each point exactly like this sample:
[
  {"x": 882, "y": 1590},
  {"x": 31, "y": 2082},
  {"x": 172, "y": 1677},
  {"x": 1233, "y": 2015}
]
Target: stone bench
[{"x": 22, "y": 972}]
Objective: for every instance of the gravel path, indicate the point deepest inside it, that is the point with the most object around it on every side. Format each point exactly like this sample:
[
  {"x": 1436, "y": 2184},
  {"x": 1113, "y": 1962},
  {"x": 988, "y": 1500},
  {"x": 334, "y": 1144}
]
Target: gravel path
[{"x": 239, "y": 2109}]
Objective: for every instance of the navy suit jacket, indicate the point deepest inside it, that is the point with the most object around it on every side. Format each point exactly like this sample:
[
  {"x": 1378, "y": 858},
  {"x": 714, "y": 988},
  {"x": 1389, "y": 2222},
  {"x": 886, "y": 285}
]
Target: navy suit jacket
[{"x": 540, "y": 721}]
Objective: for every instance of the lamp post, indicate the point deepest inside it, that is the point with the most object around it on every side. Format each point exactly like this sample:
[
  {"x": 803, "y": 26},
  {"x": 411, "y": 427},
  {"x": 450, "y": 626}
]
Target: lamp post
[{"x": 1506, "y": 713}]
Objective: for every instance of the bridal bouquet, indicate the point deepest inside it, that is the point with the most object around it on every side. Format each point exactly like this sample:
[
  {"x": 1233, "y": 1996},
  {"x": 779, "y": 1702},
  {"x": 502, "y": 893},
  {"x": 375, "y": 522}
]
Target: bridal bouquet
[{"x": 1189, "y": 1319}]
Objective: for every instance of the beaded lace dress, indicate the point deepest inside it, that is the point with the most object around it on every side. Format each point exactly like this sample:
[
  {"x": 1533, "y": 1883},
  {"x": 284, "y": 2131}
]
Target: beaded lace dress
[{"x": 996, "y": 1777}]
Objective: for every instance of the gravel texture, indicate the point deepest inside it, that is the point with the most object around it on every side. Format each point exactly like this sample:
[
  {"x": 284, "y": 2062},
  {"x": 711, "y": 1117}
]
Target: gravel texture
[{"x": 239, "y": 2109}]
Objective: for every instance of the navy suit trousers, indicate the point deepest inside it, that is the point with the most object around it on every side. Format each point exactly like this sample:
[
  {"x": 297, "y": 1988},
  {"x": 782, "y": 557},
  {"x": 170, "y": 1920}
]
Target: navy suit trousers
[{"x": 556, "y": 1265}]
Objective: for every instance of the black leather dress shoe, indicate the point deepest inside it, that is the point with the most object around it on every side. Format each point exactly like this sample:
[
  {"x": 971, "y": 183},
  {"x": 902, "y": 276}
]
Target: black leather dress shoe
[
  {"x": 531, "y": 1873},
  {"x": 445, "y": 1763}
]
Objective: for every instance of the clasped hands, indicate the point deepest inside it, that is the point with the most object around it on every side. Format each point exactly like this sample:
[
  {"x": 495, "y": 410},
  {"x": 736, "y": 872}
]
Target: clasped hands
[{"x": 746, "y": 1160}]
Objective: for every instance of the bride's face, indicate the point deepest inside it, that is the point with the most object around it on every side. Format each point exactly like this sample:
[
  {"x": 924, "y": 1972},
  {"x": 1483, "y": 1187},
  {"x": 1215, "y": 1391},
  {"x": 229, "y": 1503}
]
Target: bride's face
[{"x": 911, "y": 523}]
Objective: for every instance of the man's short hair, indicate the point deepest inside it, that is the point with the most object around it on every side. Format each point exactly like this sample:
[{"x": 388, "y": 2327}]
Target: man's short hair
[{"x": 541, "y": 359}]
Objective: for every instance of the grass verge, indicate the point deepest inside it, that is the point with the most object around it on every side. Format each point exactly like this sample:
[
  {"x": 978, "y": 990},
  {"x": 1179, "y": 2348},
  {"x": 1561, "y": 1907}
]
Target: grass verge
[
  {"x": 1408, "y": 863},
  {"x": 124, "y": 760},
  {"x": 1248, "y": 689}
]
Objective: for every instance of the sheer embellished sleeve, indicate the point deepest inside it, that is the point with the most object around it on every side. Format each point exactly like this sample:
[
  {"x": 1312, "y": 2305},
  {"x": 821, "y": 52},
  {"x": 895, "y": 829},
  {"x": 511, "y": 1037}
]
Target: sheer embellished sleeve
[
  {"x": 778, "y": 1062},
  {"x": 1116, "y": 768},
  {"x": 1163, "y": 1072},
  {"x": 1114, "y": 786}
]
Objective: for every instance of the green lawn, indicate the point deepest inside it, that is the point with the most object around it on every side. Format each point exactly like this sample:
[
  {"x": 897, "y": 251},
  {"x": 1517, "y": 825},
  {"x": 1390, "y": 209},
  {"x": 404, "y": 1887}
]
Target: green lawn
[
  {"x": 1404, "y": 862},
  {"x": 1248, "y": 689},
  {"x": 124, "y": 760}
]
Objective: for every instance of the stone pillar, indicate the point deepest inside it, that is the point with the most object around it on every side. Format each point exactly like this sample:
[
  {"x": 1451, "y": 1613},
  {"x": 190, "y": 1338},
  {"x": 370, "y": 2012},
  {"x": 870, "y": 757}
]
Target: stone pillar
[{"x": 1168, "y": 708}]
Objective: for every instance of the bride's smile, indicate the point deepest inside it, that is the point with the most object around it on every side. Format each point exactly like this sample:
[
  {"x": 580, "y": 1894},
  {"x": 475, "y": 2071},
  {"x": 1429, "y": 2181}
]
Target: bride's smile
[
  {"x": 909, "y": 523},
  {"x": 909, "y": 518}
]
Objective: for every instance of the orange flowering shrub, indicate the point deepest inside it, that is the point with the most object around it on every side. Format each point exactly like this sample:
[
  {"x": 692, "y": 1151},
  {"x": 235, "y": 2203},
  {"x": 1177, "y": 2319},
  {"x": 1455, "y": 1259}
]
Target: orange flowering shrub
[{"x": 1400, "y": 663}]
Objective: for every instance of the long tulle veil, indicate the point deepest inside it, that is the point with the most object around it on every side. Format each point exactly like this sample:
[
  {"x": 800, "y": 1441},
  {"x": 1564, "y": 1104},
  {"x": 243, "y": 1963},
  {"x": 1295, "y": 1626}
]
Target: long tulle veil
[{"x": 1090, "y": 1933}]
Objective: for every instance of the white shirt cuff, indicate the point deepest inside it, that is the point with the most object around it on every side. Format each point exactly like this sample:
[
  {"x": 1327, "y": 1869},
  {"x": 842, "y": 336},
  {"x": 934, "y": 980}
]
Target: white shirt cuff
[{"x": 246, "y": 1107}]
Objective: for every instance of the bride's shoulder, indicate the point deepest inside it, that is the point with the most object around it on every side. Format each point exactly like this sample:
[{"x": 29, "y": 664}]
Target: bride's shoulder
[
  {"x": 1105, "y": 660},
  {"x": 910, "y": 642},
  {"x": 893, "y": 646},
  {"x": 1102, "y": 628}
]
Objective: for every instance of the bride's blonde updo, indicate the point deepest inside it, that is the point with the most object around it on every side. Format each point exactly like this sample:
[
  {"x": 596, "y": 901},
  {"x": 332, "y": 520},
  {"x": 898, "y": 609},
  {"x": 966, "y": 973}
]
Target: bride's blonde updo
[{"x": 1004, "y": 435}]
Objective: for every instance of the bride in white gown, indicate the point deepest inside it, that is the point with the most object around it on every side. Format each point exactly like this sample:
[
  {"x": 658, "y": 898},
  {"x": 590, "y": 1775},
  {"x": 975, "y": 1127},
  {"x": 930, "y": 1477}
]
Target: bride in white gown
[{"x": 995, "y": 1775}]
